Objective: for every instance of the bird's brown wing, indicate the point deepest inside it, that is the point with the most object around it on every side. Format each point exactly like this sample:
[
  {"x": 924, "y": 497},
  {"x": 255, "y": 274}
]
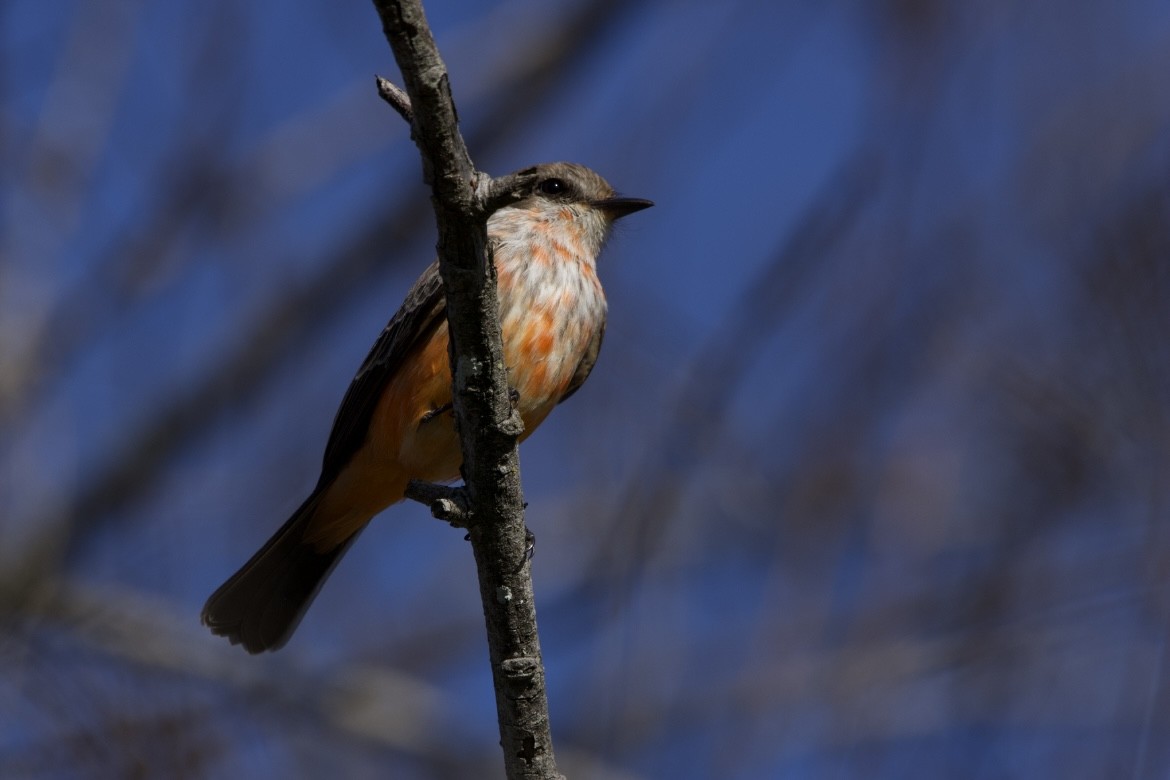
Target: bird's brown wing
[
  {"x": 586, "y": 365},
  {"x": 262, "y": 603},
  {"x": 421, "y": 312}
]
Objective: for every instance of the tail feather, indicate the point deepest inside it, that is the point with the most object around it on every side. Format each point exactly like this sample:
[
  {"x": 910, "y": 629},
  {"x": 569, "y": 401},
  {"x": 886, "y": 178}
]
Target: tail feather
[{"x": 262, "y": 604}]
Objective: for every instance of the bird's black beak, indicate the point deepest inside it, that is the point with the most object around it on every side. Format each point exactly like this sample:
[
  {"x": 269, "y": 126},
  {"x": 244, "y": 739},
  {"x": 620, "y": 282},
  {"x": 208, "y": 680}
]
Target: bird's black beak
[{"x": 617, "y": 208}]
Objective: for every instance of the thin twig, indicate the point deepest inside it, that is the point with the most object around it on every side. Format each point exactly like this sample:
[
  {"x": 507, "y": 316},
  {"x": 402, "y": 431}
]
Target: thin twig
[
  {"x": 487, "y": 426},
  {"x": 446, "y": 503},
  {"x": 396, "y": 97}
]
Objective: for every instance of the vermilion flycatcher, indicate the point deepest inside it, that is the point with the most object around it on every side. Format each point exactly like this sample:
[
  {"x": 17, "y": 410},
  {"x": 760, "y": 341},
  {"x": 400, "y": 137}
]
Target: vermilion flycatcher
[{"x": 395, "y": 422}]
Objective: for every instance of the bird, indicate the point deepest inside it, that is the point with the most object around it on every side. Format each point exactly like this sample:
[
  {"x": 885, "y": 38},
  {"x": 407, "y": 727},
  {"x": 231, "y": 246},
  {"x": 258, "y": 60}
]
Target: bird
[{"x": 395, "y": 422}]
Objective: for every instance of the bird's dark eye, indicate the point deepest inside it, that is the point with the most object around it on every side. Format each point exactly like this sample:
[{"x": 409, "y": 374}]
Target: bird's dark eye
[{"x": 553, "y": 186}]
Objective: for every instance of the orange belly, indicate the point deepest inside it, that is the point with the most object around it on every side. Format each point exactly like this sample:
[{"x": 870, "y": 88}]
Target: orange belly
[{"x": 408, "y": 441}]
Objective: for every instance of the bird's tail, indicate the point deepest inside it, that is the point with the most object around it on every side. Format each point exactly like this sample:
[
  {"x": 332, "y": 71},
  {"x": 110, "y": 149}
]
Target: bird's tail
[{"x": 261, "y": 604}]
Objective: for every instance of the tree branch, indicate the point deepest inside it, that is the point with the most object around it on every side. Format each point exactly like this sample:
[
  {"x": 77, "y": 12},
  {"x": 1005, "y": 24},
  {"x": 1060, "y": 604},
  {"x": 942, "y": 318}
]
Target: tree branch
[
  {"x": 488, "y": 426},
  {"x": 446, "y": 503},
  {"x": 396, "y": 97}
]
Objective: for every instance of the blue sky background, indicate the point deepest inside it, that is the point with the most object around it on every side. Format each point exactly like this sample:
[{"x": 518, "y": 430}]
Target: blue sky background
[{"x": 870, "y": 480}]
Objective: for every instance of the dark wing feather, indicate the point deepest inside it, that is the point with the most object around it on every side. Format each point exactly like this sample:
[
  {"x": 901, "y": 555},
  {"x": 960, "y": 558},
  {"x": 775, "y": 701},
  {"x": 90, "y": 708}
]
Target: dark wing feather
[
  {"x": 421, "y": 312},
  {"x": 586, "y": 365}
]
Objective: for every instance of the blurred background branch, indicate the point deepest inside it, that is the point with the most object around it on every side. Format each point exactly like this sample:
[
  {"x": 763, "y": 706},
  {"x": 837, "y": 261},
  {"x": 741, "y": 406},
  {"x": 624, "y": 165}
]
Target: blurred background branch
[{"x": 891, "y": 446}]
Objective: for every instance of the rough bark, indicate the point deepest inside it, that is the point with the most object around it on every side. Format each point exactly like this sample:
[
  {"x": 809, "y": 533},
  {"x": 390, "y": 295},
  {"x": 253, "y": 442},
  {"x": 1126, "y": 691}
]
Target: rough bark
[{"x": 491, "y": 503}]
